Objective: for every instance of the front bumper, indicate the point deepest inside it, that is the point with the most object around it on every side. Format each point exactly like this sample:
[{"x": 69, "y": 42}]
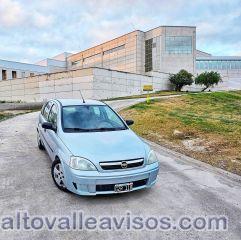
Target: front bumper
[{"x": 95, "y": 182}]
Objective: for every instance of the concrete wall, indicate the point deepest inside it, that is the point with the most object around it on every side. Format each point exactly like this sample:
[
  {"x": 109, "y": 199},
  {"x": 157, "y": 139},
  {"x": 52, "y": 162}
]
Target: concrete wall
[
  {"x": 94, "y": 83},
  {"x": 42, "y": 87},
  {"x": 234, "y": 79},
  {"x": 109, "y": 84}
]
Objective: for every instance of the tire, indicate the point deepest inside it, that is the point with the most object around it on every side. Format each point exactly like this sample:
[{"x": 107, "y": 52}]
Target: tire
[
  {"x": 40, "y": 144},
  {"x": 58, "y": 175}
]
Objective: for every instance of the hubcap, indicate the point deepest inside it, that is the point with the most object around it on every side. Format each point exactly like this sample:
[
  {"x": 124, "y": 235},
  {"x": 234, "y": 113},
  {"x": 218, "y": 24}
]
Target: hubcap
[{"x": 59, "y": 175}]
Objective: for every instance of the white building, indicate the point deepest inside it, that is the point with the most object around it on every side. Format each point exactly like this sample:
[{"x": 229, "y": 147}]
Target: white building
[
  {"x": 119, "y": 67},
  {"x": 56, "y": 63},
  {"x": 228, "y": 67},
  {"x": 11, "y": 70},
  {"x": 162, "y": 49}
]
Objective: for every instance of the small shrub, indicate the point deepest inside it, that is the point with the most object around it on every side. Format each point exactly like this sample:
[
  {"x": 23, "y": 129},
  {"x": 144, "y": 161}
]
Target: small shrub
[
  {"x": 208, "y": 79},
  {"x": 181, "y": 79}
]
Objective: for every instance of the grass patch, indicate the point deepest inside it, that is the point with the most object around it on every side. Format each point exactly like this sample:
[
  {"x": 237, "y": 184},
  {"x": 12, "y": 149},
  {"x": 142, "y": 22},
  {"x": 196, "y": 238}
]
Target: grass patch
[
  {"x": 4, "y": 115},
  {"x": 203, "y": 126}
]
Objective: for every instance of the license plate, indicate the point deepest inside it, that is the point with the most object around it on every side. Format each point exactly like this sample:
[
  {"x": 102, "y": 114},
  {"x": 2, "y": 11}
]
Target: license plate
[{"x": 123, "y": 187}]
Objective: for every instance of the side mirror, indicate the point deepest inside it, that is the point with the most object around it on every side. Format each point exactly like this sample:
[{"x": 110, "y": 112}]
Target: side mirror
[
  {"x": 129, "y": 122},
  {"x": 48, "y": 125}
]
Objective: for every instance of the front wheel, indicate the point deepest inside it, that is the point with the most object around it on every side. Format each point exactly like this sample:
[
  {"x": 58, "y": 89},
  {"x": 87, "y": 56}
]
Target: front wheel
[{"x": 58, "y": 175}]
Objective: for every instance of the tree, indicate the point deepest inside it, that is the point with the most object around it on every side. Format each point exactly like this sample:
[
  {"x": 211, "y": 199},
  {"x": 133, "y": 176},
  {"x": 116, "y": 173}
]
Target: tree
[
  {"x": 181, "y": 79},
  {"x": 208, "y": 79}
]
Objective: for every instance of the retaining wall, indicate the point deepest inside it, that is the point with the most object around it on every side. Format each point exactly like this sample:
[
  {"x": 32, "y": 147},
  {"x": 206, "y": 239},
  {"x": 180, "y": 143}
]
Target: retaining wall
[{"x": 94, "y": 83}]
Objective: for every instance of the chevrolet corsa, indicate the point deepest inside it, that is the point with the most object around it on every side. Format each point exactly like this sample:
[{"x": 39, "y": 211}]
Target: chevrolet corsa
[{"x": 93, "y": 151}]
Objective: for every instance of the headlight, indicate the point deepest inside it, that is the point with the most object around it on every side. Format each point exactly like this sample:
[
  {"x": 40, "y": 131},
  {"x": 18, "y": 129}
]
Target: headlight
[
  {"x": 151, "y": 157},
  {"x": 80, "y": 163}
]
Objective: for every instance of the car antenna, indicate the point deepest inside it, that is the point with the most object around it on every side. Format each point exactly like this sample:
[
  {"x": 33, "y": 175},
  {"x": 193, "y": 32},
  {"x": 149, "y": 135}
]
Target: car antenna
[{"x": 82, "y": 96}]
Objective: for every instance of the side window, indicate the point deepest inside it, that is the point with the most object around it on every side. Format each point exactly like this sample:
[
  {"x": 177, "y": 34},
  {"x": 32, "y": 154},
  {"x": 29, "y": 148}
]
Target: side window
[
  {"x": 46, "y": 110},
  {"x": 43, "y": 107},
  {"x": 53, "y": 115}
]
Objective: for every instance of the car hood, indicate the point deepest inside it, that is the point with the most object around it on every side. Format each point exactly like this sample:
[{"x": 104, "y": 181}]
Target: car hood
[{"x": 105, "y": 146}]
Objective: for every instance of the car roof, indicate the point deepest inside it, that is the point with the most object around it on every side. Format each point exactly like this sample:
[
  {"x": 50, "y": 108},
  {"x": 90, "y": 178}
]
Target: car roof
[{"x": 75, "y": 102}]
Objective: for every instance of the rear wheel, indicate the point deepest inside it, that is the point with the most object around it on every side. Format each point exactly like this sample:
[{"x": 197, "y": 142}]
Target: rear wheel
[
  {"x": 40, "y": 144},
  {"x": 58, "y": 175}
]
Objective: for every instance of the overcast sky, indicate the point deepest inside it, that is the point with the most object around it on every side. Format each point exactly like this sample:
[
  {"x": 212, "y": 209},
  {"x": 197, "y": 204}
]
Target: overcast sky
[{"x": 31, "y": 30}]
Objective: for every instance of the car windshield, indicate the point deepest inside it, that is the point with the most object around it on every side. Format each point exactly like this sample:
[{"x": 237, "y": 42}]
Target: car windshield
[{"x": 86, "y": 118}]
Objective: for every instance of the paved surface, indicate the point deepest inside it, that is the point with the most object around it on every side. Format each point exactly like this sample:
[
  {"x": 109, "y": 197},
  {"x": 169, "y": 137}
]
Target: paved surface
[
  {"x": 183, "y": 188},
  {"x": 20, "y": 106},
  {"x": 37, "y": 105}
]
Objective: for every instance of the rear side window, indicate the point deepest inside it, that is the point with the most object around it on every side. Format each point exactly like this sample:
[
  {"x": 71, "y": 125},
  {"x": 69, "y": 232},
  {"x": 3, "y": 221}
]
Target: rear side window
[
  {"x": 53, "y": 115},
  {"x": 46, "y": 110}
]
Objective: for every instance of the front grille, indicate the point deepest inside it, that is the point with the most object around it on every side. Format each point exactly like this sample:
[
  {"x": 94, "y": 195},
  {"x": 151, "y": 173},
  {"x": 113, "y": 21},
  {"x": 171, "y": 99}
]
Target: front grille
[
  {"x": 125, "y": 164},
  {"x": 110, "y": 187}
]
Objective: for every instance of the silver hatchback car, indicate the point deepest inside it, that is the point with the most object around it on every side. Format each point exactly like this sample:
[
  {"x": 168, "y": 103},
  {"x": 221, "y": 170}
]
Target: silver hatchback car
[{"x": 93, "y": 150}]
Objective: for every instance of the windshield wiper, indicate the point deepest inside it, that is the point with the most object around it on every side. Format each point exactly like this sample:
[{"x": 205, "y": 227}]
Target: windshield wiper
[
  {"x": 107, "y": 129},
  {"x": 77, "y": 130},
  {"x": 93, "y": 129}
]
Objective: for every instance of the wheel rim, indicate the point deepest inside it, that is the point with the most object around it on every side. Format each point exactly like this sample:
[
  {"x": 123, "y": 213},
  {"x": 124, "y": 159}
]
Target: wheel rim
[{"x": 59, "y": 175}]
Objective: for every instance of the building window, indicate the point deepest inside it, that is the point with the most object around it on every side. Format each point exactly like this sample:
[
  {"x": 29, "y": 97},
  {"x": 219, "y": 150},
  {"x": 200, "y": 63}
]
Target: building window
[
  {"x": 31, "y": 74},
  {"x": 218, "y": 64},
  {"x": 178, "y": 44},
  {"x": 75, "y": 63},
  {"x": 148, "y": 55},
  {"x": 4, "y": 74},
  {"x": 114, "y": 49},
  {"x": 92, "y": 58},
  {"x": 14, "y": 74},
  {"x": 23, "y": 74}
]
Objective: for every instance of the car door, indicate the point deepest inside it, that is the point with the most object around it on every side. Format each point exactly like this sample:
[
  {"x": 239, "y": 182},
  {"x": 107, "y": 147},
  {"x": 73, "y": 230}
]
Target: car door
[
  {"x": 52, "y": 136},
  {"x": 43, "y": 117}
]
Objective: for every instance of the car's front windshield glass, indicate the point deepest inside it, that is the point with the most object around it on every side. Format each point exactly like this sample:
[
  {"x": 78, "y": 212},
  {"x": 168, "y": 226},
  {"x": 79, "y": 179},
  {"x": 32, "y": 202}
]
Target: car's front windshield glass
[{"x": 86, "y": 118}]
